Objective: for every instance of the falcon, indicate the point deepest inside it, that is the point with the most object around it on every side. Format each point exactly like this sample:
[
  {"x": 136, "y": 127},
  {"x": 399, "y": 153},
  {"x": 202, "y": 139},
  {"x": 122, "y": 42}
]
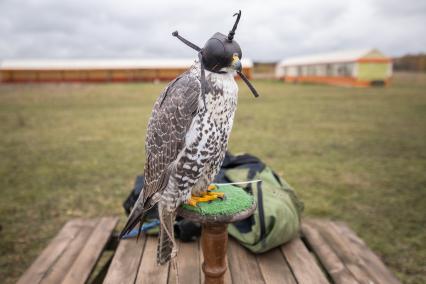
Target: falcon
[{"x": 187, "y": 136}]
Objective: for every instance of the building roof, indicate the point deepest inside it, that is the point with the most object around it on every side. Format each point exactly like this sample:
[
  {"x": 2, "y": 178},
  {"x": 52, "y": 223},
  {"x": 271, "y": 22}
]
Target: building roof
[
  {"x": 334, "y": 57},
  {"x": 79, "y": 64}
]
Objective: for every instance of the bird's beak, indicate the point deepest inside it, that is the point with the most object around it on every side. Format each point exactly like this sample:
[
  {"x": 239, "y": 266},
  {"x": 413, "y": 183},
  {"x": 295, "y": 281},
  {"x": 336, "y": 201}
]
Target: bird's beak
[{"x": 236, "y": 63}]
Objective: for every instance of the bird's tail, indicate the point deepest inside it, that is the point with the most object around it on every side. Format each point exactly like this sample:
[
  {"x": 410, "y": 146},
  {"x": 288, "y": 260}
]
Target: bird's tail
[
  {"x": 135, "y": 217},
  {"x": 166, "y": 249}
]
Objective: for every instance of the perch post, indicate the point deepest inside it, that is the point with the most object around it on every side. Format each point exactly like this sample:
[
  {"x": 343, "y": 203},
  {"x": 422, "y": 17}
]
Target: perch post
[{"x": 214, "y": 218}]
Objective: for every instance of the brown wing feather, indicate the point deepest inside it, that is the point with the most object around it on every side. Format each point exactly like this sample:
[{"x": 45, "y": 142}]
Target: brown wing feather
[{"x": 170, "y": 120}]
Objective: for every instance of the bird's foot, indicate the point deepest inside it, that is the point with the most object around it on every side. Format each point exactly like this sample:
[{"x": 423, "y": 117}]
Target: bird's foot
[
  {"x": 218, "y": 194},
  {"x": 194, "y": 200},
  {"x": 206, "y": 196}
]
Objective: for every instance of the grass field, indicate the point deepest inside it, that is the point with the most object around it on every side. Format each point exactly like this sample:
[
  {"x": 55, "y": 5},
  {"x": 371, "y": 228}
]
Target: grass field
[{"x": 353, "y": 154}]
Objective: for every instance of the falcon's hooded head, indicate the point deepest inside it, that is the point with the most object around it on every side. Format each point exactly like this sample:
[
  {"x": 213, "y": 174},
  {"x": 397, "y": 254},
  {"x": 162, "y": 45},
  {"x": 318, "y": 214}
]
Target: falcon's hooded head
[{"x": 221, "y": 53}]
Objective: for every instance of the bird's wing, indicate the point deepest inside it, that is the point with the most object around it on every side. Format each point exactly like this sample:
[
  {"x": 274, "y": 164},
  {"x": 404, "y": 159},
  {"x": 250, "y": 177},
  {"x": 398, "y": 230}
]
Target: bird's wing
[{"x": 170, "y": 120}]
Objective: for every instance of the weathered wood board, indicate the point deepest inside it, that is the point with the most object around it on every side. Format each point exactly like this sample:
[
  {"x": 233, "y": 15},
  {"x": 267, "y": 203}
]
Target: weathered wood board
[
  {"x": 72, "y": 255},
  {"x": 327, "y": 252}
]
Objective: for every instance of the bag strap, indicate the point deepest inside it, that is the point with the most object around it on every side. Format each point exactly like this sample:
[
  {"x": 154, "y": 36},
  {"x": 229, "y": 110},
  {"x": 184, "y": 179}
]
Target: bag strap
[
  {"x": 261, "y": 210},
  {"x": 250, "y": 176}
]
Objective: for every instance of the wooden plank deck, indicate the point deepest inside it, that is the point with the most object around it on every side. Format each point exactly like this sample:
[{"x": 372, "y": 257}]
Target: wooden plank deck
[
  {"x": 72, "y": 255},
  {"x": 327, "y": 252}
]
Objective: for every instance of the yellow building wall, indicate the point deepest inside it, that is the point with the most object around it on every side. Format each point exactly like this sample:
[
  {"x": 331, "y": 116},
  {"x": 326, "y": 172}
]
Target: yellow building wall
[{"x": 370, "y": 71}]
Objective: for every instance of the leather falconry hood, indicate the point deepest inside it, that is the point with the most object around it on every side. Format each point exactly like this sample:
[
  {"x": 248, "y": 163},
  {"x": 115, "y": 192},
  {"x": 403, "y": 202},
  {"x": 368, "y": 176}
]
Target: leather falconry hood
[{"x": 218, "y": 52}]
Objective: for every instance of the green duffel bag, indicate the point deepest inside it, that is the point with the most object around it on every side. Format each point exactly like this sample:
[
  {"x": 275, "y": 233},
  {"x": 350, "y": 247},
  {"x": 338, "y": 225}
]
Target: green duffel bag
[{"x": 277, "y": 217}]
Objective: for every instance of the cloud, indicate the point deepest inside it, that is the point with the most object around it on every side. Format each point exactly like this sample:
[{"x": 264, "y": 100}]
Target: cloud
[{"x": 269, "y": 30}]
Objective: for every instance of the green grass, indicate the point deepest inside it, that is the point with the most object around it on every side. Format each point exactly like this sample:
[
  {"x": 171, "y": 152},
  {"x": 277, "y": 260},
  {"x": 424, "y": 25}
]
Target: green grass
[{"x": 352, "y": 154}]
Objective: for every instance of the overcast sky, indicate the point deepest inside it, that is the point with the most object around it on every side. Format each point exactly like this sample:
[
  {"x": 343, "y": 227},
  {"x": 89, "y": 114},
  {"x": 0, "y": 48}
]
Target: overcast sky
[{"x": 268, "y": 30}]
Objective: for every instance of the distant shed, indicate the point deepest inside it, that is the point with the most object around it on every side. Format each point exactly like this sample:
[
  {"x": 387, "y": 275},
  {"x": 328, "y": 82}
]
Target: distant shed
[
  {"x": 28, "y": 71},
  {"x": 352, "y": 68}
]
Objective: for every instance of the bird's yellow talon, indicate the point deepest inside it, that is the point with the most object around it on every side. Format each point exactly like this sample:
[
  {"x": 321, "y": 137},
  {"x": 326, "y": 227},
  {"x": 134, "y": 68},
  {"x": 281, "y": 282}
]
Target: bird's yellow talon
[
  {"x": 204, "y": 199},
  {"x": 217, "y": 194},
  {"x": 212, "y": 187},
  {"x": 192, "y": 201}
]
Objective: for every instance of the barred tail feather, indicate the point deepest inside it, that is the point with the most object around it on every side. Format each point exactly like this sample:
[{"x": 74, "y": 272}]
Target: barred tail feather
[{"x": 166, "y": 248}]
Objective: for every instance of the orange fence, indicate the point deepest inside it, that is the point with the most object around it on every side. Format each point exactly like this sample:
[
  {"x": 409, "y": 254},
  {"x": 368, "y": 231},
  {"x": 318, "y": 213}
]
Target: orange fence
[{"x": 94, "y": 75}]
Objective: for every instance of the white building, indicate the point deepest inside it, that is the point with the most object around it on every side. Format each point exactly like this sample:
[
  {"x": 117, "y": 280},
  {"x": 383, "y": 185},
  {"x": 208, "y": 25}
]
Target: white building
[{"x": 356, "y": 67}]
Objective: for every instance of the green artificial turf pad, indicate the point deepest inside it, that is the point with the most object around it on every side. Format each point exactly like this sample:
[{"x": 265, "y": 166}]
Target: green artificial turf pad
[{"x": 236, "y": 200}]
